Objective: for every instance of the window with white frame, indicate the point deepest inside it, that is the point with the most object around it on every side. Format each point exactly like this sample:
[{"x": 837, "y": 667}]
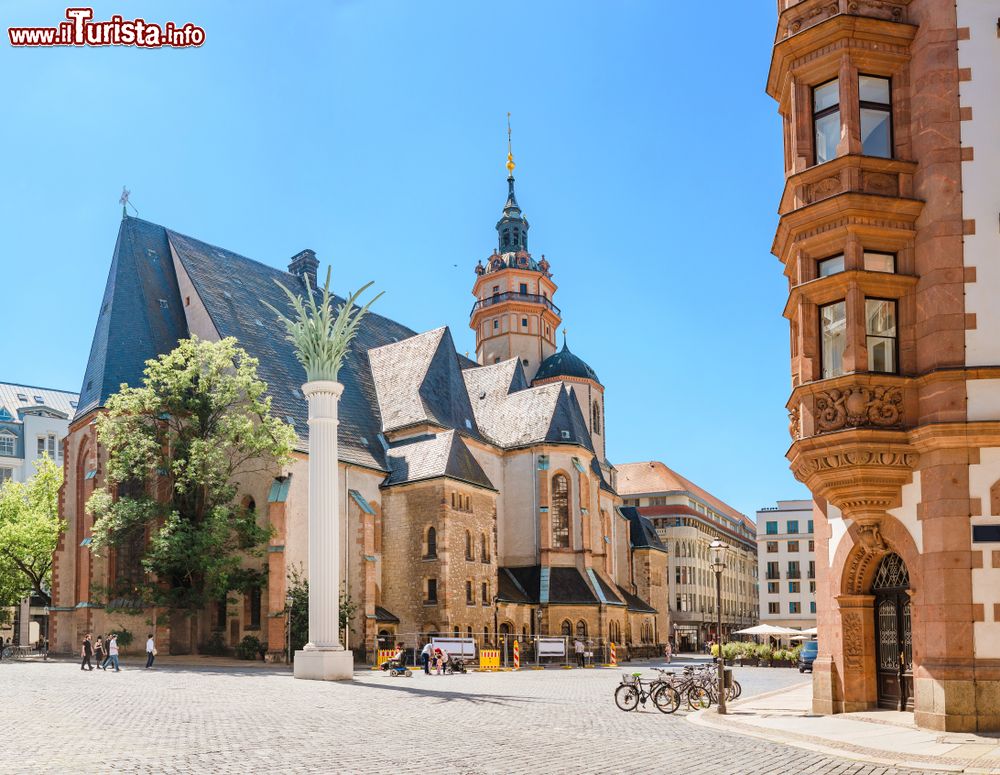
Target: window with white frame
[
  {"x": 7, "y": 444},
  {"x": 6, "y": 474}
]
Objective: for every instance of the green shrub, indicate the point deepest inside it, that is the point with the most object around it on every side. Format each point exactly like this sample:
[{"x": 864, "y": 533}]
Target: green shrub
[
  {"x": 125, "y": 638},
  {"x": 730, "y": 650},
  {"x": 215, "y": 645},
  {"x": 715, "y": 649},
  {"x": 248, "y": 648},
  {"x": 795, "y": 653},
  {"x": 764, "y": 652}
]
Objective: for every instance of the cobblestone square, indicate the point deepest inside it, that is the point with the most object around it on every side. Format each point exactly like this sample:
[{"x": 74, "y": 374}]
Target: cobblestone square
[{"x": 182, "y": 719}]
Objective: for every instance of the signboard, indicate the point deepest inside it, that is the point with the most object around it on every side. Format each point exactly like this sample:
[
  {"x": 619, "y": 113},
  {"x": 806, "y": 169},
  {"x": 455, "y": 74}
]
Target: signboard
[
  {"x": 456, "y": 647},
  {"x": 551, "y": 647}
]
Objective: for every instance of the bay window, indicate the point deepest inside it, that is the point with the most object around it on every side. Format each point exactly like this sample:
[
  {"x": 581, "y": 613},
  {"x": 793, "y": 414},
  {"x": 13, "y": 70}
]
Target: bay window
[
  {"x": 880, "y": 330},
  {"x": 826, "y": 120},
  {"x": 833, "y": 333},
  {"x": 876, "y": 116}
]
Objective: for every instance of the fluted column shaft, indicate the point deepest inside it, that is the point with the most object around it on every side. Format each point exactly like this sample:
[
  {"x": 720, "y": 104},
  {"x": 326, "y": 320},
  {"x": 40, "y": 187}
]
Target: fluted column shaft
[{"x": 324, "y": 515}]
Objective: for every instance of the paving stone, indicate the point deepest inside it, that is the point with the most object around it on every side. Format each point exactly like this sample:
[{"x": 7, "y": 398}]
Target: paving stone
[{"x": 227, "y": 720}]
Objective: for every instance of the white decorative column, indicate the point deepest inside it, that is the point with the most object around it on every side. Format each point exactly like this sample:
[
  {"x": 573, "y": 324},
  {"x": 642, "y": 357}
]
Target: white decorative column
[{"x": 324, "y": 658}]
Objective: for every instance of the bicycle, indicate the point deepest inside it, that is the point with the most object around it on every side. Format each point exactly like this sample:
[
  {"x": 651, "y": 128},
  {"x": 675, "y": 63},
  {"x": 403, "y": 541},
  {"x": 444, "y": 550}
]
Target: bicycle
[
  {"x": 691, "y": 686},
  {"x": 632, "y": 691},
  {"x": 16, "y": 652}
]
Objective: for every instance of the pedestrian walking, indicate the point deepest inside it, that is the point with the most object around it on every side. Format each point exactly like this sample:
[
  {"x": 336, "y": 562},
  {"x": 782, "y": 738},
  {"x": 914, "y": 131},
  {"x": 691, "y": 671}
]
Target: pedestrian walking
[
  {"x": 578, "y": 648},
  {"x": 426, "y": 653},
  {"x": 668, "y": 652},
  {"x": 113, "y": 651},
  {"x": 150, "y": 650},
  {"x": 99, "y": 650},
  {"x": 86, "y": 651},
  {"x": 107, "y": 652}
]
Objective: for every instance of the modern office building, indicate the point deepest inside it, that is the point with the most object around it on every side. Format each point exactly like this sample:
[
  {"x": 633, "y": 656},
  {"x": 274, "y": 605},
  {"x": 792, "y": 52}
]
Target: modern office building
[
  {"x": 786, "y": 564},
  {"x": 687, "y": 519},
  {"x": 888, "y": 238}
]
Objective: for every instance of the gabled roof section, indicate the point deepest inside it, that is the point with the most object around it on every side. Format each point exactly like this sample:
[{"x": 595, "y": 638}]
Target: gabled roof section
[
  {"x": 431, "y": 456},
  {"x": 518, "y": 417},
  {"x": 419, "y": 380},
  {"x": 232, "y": 287},
  {"x": 636, "y": 603},
  {"x": 140, "y": 316},
  {"x": 641, "y": 532}
]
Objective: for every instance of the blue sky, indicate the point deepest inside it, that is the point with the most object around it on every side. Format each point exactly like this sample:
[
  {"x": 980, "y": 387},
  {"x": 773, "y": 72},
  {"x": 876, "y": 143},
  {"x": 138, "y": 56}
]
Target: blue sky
[{"x": 649, "y": 165}]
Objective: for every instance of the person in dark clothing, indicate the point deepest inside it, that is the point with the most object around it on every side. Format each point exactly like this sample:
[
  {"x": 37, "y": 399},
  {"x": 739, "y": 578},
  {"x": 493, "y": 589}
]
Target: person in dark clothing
[
  {"x": 87, "y": 651},
  {"x": 98, "y": 650}
]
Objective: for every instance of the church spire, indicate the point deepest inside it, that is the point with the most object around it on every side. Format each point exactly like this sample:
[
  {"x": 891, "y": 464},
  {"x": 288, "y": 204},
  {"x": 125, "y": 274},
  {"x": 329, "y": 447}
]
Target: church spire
[{"x": 512, "y": 228}]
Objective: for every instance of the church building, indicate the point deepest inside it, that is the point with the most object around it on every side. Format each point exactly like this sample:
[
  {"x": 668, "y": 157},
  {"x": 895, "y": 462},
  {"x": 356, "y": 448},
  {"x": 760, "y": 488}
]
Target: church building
[{"x": 477, "y": 497}]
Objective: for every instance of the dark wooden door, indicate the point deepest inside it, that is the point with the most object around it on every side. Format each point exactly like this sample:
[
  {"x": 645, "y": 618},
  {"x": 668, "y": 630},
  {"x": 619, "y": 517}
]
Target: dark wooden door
[{"x": 893, "y": 639}]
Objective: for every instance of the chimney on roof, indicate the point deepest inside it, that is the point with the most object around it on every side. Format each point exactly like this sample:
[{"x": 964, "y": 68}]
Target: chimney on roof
[{"x": 304, "y": 264}]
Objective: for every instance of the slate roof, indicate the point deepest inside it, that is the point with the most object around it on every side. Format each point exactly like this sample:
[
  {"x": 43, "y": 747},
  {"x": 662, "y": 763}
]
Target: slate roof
[
  {"x": 510, "y": 589},
  {"x": 429, "y": 456},
  {"x": 392, "y": 376},
  {"x": 419, "y": 380},
  {"x": 10, "y": 399},
  {"x": 566, "y": 585},
  {"x": 636, "y": 603},
  {"x": 526, "y": 415},
  {"x": 140, "y": 316},
  {"x": 642, "y": 533},
  {"x": 565, "y": 364}
]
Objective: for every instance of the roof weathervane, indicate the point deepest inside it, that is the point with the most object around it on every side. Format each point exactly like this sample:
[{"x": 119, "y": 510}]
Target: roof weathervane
[
  {"x": 510, "y": 153},
  {"x": 124, "y": 202}
]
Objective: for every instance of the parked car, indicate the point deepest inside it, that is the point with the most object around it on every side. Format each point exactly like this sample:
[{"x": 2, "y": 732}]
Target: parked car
[{"x": 808, "y": 655}]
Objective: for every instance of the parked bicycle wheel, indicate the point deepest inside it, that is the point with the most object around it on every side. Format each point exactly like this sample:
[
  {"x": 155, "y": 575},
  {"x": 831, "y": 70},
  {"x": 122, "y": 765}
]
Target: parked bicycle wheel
[
  {"x": 737, "y": 689},
  {"x": 698, "y": 698},
  {"x": 8, "y": 652},
  {"x": 666, "y": 699},
  {"x": 627, "y": 697}
]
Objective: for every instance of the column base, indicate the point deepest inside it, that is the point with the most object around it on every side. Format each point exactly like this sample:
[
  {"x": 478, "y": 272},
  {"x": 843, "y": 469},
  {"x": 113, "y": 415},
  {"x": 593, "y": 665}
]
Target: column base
[{"x": 324, "y": 664}]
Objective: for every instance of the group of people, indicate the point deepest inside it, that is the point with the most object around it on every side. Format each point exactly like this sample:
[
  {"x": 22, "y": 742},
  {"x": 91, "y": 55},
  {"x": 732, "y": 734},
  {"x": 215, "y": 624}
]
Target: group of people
[
  {"x": 104, "y": 651},
  {"x": 434, "y": 658}
]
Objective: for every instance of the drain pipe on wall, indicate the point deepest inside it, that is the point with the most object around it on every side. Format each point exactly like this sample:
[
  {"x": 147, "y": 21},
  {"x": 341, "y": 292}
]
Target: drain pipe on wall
[{"x": 347, "y": 552}]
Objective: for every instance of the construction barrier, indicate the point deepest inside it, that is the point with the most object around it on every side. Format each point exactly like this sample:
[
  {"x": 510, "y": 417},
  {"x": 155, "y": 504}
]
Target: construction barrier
[
  {"x": 517, "y": 656},
  {"x": 384, "y": 655},
  {"x": 489, "y": 659},
  {"x": 613, "y": 655}
]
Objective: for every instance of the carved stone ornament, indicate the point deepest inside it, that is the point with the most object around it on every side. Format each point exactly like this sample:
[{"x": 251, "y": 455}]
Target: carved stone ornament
[
  {"x": 794, "y": 423},
  {"x": 880, "y": 183},
  {"x": 858, "y": 406},
  {"x": 885, "y": 460},
  {"x": 814, "y": 15},
  {"x": 871, "y": 539},
  {"x": 853, "y": 640},
  {"x": 824, "y": 188},
  {"x": 881, "y": 9}
]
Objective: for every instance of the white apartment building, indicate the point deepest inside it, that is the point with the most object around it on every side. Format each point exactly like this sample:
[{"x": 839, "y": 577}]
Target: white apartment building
[
  {"x": 33, "y": 422},
  {"x": 786, "y": 554},
  {"x": 687, "y": 519}
]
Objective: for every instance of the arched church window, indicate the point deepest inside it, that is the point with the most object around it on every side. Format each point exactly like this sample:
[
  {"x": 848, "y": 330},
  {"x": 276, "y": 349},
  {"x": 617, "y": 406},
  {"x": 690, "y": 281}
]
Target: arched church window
[
  {"x": 597, "y": 417},
  {"x": 432, "y": 544},
  {"x": 506, "y": 238},
  {"x": 484, "y": 553},
  {"x": 567, "y": 627},
  {"x": 468, "y": 546},
  {"x": 581, "y": 629},
  {"x": 560, "y": 512}
]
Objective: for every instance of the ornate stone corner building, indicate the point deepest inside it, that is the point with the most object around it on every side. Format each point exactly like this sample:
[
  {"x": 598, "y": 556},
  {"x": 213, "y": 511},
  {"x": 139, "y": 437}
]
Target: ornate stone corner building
[
  {"x": 475, "y": 496},
  {"x": 888, "y": 237}
]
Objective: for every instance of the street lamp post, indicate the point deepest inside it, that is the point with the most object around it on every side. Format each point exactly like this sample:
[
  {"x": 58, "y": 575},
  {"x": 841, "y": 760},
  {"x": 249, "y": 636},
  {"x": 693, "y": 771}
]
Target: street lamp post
[
  {"x": 290, "y": 601},
  {"x": 538, "y": 636},
  {"x": 718, "y": 549}
]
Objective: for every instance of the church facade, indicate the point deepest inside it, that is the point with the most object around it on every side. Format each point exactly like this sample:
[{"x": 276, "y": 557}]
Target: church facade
[
  {"x": 888, "y": 239},
  {"x": 477, "y": 498}
]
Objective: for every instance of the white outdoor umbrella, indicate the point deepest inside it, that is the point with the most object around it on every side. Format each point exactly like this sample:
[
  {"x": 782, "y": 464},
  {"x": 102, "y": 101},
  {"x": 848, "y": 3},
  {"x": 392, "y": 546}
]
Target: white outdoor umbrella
[
  {"x": 810, "y": 631},
  {"x": 768, "y": 629}
]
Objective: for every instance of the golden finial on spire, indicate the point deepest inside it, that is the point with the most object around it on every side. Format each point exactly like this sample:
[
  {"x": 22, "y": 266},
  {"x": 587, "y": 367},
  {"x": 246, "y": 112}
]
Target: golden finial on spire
[{"x": 510, "y": 153}]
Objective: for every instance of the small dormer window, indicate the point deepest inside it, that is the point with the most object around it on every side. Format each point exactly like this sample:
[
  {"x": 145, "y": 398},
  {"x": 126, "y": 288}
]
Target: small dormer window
[
  {"x": 22, "y": 398},
  {"x": 39, "y": 400},
  {"x": 565, "y": 435},
  {"x": 5, "y": 416}
]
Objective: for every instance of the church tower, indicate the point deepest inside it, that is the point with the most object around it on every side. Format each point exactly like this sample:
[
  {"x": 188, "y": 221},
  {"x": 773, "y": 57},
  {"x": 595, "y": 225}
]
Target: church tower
[{"x": 514, "y": 316}]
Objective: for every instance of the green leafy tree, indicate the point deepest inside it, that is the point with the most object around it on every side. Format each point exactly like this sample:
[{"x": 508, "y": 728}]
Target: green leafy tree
[
  {"x": 29, "y": 531},
  {"x": 297, "y": 606},
  {"x": 176, "y": 445}
]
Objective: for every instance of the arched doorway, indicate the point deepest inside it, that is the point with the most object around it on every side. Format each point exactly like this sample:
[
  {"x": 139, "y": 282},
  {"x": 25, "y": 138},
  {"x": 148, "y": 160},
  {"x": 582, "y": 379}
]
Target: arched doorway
[{"x": 893, "y": 638}]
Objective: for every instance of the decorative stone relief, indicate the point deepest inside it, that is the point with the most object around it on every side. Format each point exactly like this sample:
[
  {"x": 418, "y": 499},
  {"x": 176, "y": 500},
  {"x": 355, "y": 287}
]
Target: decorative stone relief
[
  {"x": 853, "y": 640},
  {"x": 794, "y": 423},
  {"x": 812, "y": 16},
  {"x": 885, "y": 459},
  {"x": 823, "y": 188},
  {"x": 880, "y": 183},
  {"x": 881, "y": 9},
  {"x": 858, "y": 406}
]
